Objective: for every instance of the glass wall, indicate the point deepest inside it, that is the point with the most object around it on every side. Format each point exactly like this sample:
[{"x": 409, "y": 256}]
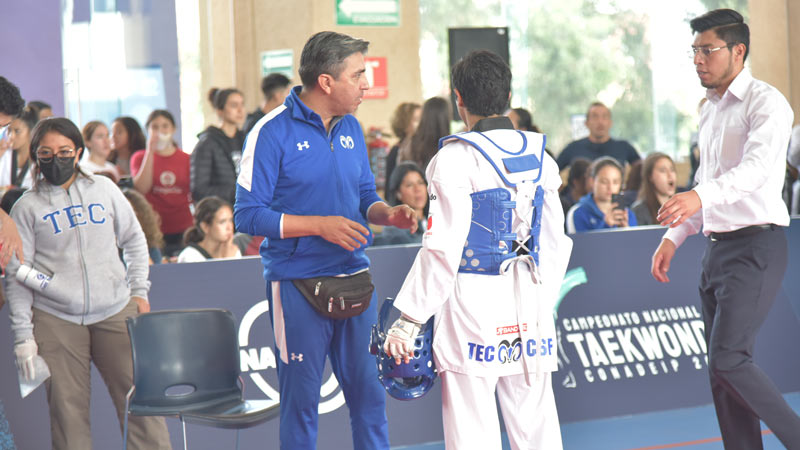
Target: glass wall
[
  {"x": 629, "y": 54},
  {"x": 120, "y": 58}
]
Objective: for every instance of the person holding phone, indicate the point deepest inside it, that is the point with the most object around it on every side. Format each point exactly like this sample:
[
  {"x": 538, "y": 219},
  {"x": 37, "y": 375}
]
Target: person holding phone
[
  {"x": 603, "y": 207},
  {"x": 618, "y": 202}
]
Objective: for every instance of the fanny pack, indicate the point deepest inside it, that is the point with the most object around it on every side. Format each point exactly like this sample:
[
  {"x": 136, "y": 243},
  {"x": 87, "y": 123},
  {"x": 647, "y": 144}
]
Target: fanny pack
[{"x": 338, "y": 297}]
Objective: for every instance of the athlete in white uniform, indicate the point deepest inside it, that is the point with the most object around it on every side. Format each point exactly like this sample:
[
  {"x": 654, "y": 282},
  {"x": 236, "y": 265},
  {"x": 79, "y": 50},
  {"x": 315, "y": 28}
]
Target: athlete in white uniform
[{"x": 490, "y": 269}]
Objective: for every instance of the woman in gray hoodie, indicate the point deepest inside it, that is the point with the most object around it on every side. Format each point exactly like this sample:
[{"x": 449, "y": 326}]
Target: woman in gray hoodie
[{"x": 72, "y": 225}]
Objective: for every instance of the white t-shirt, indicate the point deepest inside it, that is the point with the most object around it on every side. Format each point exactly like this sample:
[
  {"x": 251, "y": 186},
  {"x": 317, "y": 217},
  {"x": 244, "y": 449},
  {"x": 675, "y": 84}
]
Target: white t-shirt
[
  {"x": 6, "y": 162},
  {"x": 191, "y": 254},
  {"x": 92, "y": 167}
]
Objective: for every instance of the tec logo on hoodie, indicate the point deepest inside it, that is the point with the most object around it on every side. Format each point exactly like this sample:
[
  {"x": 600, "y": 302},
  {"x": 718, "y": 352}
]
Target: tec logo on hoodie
[{"x": 75, "y": 216}]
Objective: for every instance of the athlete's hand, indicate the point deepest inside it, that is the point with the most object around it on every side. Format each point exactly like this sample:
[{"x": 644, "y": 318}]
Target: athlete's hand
[
  {"x": 661, "y": 260},
  {"x": 403, "y": 216},
  {"x": 400, "y": 338},
  {"x": 679, "y": 208},
  {"x": 343, "y": 232}
]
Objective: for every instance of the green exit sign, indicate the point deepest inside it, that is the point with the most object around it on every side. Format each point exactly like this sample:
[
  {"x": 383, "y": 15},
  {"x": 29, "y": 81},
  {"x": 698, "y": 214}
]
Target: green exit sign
[
  {"x": 279, "y": 61},
  {"x": 368, "y": 13}
]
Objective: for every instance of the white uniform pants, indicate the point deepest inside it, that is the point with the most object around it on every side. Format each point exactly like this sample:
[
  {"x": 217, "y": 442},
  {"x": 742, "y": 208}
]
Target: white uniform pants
[{"x": 470, "y": 417}]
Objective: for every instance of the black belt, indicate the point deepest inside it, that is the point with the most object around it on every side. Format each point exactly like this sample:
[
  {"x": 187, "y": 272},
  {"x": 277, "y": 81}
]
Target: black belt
[{"x": 742, "y": 232}]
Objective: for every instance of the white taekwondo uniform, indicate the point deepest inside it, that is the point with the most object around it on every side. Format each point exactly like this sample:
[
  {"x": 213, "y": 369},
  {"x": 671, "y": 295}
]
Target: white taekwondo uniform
[{"x": 494, "y": 325}]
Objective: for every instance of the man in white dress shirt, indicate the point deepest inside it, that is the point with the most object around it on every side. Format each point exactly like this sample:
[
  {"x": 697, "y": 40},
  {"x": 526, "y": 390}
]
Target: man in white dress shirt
[{"x": 744, "y": 132}]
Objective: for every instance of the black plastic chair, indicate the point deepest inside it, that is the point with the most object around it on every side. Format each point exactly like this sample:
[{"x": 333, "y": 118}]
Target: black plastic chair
[{"x": 186, "y": 364}]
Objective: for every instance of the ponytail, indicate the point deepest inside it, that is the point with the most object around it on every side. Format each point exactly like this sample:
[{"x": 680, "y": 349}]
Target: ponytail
[{"x": 204, "y": 212}]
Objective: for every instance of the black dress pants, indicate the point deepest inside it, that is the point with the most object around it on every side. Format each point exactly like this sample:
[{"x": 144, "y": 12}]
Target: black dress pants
[{"x": 740, "y": 280}]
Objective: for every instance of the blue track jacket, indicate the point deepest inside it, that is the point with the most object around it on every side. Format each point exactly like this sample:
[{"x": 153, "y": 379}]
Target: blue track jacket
[{"x": 291, "y": 164}]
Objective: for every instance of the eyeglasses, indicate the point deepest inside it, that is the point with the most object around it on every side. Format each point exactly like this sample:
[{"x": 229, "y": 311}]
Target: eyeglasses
[
  {"x": 44, "y": 154},
  {"x": 705, "y": 51}
]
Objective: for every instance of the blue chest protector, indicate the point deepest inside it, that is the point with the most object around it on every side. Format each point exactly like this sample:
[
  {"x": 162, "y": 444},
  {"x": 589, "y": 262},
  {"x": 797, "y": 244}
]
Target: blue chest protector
[{"x": 491, "y": 239}]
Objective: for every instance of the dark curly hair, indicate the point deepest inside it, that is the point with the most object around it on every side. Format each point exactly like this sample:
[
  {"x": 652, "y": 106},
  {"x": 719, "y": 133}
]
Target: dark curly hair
[
  {"x": 11, "y": 102},
  {"x": 484, "y": 81}
]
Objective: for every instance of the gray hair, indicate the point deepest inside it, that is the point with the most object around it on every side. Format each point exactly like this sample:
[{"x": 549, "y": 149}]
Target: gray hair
[{"x": 325, "y": 52}]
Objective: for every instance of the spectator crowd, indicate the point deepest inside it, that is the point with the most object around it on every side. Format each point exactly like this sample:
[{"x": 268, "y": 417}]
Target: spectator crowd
[
  {"x": 160, "y": 204},
  {"x": 606, "y": 182}
]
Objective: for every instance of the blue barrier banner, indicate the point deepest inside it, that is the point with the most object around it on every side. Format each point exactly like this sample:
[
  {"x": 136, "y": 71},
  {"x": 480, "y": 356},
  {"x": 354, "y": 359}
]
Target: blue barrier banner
[{"x": 627, "y": 344}]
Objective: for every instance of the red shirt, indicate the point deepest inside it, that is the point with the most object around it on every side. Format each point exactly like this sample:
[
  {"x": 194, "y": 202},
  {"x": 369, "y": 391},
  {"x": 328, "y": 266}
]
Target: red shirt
[{"x": 170, "y": 194}]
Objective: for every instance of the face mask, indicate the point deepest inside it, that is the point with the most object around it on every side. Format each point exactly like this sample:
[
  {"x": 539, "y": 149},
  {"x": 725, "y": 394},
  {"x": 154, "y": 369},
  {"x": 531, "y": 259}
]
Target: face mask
[
  {"x": 57, "y": 171},
  {"x": 164, "y": 139}
]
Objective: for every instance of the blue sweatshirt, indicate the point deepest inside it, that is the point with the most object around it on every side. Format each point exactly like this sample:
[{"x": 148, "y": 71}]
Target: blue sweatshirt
[
  {"x": 292, "y": 165},
  {"x": 586, "y": 216}
]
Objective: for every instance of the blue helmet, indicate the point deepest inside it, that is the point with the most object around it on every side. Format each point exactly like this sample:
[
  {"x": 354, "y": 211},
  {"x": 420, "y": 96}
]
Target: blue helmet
[{"x": 404, "y": 381}]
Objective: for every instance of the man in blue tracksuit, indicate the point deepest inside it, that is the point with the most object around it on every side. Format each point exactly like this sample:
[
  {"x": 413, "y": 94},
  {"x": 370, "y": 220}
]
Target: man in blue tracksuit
[{"x": 305, "y": 184}]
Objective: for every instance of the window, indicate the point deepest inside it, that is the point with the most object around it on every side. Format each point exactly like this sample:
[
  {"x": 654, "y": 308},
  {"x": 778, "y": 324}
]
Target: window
[
  {"x": 119, "y": 60},
  {"x": 628, "y": 54}
]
